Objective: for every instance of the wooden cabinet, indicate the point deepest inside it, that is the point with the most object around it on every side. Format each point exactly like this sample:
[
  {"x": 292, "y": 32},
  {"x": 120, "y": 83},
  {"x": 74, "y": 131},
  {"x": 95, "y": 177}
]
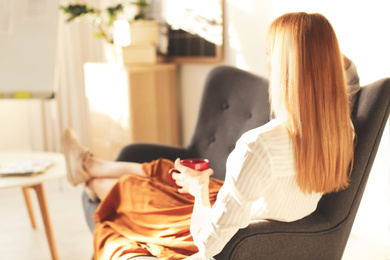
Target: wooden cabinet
[{"x": 130, "y": 104}]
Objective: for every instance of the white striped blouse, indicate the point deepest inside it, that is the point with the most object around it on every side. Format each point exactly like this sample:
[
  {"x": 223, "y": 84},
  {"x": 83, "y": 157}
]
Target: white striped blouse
[{"x": 259, "y": 184}]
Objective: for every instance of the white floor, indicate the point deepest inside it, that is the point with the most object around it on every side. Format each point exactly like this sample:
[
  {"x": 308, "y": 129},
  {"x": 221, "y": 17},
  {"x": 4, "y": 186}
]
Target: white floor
[{"x": 18, "y": 241}]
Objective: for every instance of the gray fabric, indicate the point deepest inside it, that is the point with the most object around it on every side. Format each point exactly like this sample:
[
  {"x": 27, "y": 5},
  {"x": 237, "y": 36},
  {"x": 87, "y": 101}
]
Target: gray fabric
[
  {"x": 89, "y": 209},
  {"x": 235, "y": 101}
]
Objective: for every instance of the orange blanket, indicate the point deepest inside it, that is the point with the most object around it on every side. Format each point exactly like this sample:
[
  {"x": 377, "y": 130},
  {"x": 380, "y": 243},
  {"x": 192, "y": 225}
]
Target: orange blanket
[{"x": 146, "y": 216}]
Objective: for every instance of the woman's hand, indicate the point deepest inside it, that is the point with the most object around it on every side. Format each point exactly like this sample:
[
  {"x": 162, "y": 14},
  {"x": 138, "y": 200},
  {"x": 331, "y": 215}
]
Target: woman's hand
[{"x": 191, "y": 181}]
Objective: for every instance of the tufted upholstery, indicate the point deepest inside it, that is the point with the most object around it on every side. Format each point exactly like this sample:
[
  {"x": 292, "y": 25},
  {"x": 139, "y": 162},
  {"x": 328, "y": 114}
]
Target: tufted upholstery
[{"x": 235, "y": 101}]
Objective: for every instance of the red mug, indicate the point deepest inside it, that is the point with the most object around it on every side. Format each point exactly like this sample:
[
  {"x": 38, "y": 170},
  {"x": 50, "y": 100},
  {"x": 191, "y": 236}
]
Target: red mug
[{"x": 196, "y": 164}]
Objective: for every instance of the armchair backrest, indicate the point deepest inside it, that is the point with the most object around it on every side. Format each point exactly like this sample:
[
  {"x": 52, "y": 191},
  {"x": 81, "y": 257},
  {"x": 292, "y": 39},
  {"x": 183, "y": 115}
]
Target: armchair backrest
[
  {"x": 370, "y": 115},
  {"x": 234, "y": 101}
]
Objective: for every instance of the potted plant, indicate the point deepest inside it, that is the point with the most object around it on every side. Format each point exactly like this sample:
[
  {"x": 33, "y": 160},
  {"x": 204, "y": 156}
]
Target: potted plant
[
  {"x": 128, "y": 41},
  {"x": 102, "y": 19}
]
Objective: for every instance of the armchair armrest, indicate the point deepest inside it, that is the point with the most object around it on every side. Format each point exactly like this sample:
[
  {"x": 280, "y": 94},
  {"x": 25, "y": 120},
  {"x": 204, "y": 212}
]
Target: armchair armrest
[
  {"x": 258, "y": 240},
  {"x": 144, "y": 152}
]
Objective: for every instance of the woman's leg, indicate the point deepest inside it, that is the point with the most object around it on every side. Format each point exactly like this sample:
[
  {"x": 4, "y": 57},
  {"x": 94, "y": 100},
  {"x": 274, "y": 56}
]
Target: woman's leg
[
  {"x": 104, "y": 174},
  {"x": 83, "y": 166},
  {"x": 100, "y": 168},
  {"x": 101, "y": 186},
  {"x": 99, "y": 175}
]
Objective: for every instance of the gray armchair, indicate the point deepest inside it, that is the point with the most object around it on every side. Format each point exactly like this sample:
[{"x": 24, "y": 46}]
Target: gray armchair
[{"x": 235, "y": 101}]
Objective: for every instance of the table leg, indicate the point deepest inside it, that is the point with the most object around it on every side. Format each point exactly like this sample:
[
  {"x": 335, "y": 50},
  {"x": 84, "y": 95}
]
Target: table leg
[
  {"x": 46, "y": 219},
  {"x": 26, "y": 194}
]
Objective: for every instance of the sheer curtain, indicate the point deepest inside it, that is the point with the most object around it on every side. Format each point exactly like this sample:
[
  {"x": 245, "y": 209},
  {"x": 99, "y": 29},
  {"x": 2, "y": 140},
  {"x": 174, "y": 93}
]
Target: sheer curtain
[{"x": 76, "y": 46}]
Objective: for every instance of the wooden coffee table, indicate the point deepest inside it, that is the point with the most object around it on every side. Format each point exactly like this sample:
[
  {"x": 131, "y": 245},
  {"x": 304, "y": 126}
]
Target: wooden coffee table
[{"x": 57, "y": 170}]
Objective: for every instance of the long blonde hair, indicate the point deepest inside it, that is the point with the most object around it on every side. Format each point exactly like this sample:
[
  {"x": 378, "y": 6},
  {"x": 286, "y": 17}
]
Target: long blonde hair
[{"x": 308, "y": 90}]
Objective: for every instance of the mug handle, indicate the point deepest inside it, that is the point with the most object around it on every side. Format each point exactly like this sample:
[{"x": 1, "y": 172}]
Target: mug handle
[{"x": 171, "y": 171}]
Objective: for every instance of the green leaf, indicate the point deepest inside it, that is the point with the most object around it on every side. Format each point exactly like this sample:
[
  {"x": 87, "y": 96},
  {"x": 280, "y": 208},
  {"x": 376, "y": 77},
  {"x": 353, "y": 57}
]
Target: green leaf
[
  {"x": 141, "y": 3},
  {"x": 99, "y": 34},
  {"x": 140, "y": 16},
  {"x": 64, "y": 9}
]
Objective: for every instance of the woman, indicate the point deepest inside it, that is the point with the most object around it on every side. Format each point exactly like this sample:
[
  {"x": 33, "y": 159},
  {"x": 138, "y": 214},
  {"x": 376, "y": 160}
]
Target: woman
[{"x": 277, "y": 171}]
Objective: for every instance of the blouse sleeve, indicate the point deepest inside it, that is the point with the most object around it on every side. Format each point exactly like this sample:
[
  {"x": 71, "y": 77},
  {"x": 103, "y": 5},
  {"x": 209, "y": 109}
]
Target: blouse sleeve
[
  {"x": 353, "y": 83},
  {"x": 247, "y": 177}
]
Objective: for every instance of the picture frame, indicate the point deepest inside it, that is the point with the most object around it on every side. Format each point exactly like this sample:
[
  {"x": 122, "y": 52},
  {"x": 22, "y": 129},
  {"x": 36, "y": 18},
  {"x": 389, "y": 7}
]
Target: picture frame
[{"x": 195, "y": 31}]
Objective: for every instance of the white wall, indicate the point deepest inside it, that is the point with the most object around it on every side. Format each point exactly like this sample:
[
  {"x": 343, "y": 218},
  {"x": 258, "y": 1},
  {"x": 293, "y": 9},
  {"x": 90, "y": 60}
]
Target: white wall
[
  {"x": 28, "y": 124},
  {"x": 20, "y": 121},
  {"x": 15, "y": 136}
]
